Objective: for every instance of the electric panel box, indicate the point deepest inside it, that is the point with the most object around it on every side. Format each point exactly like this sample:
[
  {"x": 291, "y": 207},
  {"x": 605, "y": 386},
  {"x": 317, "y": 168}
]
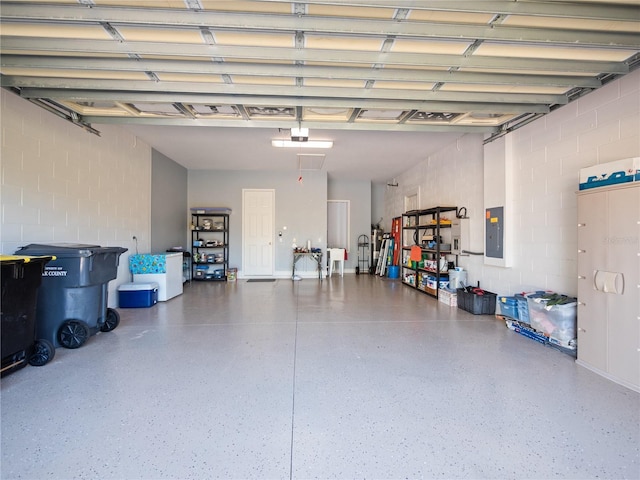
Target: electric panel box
[{"x": 494, "y": 242}]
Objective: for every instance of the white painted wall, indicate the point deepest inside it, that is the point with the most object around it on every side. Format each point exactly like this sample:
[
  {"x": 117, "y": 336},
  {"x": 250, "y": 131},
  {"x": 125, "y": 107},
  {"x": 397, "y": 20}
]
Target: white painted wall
[
  {"x": 301, "y": 207},
  {"x": 548, "y": 154},
  {"x": 359, "y": 195},
  {"x": 63, "y": 184},
  {"x": 169, "y": 192}
]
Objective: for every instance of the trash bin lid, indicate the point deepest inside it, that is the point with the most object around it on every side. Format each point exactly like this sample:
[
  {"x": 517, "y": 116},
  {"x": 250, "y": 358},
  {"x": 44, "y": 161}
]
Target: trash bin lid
[
  {"x": 67, "y": 250},
  {"x": 18, "y": 259}
]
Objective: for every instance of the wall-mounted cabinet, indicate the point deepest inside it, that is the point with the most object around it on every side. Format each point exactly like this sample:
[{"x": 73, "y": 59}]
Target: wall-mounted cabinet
[
  {"x": 209, "y": 246},
  {"x": 426, "y": 248}
]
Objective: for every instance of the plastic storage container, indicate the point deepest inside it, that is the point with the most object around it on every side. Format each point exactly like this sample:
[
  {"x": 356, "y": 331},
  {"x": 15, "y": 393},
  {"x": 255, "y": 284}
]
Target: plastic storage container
[
  {"x": 478, "y": 302},
  {"x": 523, "y": 305},
  {"x": 21, "y": 277},
  {"x": 72, "y": 300},
  {"x": 137, "y": 295},
  {"x": 508, "y": 307},
  {"x": 457, "y": 279},
  {"x": 556, "y": 321}
]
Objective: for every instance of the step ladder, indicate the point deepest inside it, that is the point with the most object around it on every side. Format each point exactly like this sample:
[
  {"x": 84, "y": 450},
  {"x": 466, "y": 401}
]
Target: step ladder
[{"x": 383, "y": 260}]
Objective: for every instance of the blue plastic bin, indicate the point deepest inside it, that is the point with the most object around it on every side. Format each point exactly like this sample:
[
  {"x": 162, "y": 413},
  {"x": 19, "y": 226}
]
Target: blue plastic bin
[
  {"x": 523, "y": 305},
  {"x": 508, "y": 307}
]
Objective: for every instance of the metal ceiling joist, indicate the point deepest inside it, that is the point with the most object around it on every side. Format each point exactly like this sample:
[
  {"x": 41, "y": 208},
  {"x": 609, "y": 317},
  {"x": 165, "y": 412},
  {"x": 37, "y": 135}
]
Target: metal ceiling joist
[
  {"x": 566, "y": 9},
  {"x": 62, "y": 84},
  {"x": 279, "y": 54},
  {"x": 307, "y": 71},
  {"x": 203, "y": 99},
  {"x": 313, "y": 24},
  {"x": 283, "y": 123}
]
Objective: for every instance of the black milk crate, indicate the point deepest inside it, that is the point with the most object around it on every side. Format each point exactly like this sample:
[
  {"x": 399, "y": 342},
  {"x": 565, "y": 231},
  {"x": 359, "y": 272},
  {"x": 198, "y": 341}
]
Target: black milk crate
[{"x": 476, "y": 303}]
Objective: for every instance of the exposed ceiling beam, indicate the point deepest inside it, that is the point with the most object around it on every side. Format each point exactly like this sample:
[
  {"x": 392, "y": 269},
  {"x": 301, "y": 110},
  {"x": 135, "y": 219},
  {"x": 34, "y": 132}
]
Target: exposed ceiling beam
[
  {"x": 286, "y": 123},
  {"x": 263, "y": 101},
  {"x": 62, "y": 84},
  {"x": 312, "y": 24},
  {"x": 565, "y": 9},
  {"x": 307, "y": 71},
  {"x": 14, "y": 44}
]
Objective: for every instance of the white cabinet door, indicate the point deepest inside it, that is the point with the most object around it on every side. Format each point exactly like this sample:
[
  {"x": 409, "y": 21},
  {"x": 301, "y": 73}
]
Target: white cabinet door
[
  {"x": 624, "y": 306},
  {"x": 592, "y": 306}
]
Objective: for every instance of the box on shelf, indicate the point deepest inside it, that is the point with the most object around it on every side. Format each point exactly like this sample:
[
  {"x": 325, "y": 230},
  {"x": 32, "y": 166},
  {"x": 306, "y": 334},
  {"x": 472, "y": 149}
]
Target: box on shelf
[
  {"x": 476, "y": 301},
  {"x": 210, "y": 210},
  {"x": 137, "y": 295},
  {"x": 409, "y": 278},
  {"x": 430, "y": 291},
  {"x": 620, "y": 171},
  {"x": 433, "y": 283}
]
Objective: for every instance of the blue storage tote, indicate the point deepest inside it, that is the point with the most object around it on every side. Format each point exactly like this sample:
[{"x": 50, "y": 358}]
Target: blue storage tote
[
  {"x": 523, "y": 305},
  {"x": 508, "y": 307},
  {"x": 137, "y": 295}
]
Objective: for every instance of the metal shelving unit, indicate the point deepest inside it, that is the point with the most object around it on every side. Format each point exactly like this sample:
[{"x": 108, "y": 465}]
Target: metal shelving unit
[{"x": 417, "y": 224}]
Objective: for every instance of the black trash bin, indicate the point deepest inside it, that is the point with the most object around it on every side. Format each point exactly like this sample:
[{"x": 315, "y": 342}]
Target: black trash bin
[
  {"x": 21, "y": 277},
  {"x": 72, "y": 301}
]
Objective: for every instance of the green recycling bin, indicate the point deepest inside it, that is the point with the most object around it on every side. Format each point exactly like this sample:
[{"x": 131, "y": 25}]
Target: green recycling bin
[{"x": 72, "y": 300}]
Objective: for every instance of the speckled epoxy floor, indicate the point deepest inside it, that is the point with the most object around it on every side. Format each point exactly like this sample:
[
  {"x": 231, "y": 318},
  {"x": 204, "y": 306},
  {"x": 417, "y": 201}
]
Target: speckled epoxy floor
[{"x": 354, "y": 377}]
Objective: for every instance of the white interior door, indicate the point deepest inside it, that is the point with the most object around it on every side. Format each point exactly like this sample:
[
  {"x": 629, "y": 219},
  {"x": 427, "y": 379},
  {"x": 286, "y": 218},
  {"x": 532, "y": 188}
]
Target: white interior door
[
  {"x": 257, "y": 232},
  {"x": 338, "y": 212}
]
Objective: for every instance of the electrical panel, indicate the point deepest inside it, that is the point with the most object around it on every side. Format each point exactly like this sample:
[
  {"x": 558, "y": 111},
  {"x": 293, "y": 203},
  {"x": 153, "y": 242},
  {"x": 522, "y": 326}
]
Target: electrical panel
[
  {"x": 460, "y": 236},
  {"x": 494, "y": 232}
]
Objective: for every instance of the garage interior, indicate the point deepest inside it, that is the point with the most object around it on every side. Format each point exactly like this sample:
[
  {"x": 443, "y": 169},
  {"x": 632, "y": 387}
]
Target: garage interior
[{"x": 119, "y": 117}]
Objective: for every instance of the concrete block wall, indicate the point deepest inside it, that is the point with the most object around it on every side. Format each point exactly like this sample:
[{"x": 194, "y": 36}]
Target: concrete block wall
[
  {"x": 61, "y": 183},
  {"x": 452, "y": 176},
  {"x": 601, "y": 127}
]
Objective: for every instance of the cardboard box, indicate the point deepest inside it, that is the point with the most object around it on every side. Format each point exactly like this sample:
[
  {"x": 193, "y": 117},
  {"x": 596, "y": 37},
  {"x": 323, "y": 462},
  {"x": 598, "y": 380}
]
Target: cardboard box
[
  {"x": 620, "y": 171},
  {"x": 448, "y": 298}
]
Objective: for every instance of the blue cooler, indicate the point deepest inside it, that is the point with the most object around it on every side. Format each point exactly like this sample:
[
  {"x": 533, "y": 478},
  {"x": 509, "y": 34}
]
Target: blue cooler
[{"x": 138, "y": 295}]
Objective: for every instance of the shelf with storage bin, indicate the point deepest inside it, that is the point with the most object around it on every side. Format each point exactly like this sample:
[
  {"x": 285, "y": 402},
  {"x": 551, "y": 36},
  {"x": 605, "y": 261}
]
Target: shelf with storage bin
[
  {"x": 422, "y": 236},
  {"x": 210, "y": 243}
]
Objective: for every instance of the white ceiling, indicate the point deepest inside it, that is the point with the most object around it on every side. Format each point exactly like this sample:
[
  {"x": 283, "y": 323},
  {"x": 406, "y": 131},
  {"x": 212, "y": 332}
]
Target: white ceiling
[
  {"x": 210, "y": 82},
  {"x": 356, "y": 155}
]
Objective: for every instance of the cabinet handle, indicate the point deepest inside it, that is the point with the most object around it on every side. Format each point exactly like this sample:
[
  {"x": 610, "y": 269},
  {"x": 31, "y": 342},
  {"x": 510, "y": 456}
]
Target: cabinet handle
[
  {"x": 581, "y": 277},
  {"x": 582, "y": 303},
  {"x": 582, "y": 225},
  {"x": 582, "y": 330},
  {"x": 582, "y": 251}
]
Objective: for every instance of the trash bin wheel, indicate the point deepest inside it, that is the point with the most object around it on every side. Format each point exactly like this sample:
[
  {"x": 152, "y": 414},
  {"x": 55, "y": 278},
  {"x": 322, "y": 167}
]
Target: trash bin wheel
[
  {"x": 43, "y": 353},
  {"x": 73, "y": 333},
  {"x": 111, "y": 321}
]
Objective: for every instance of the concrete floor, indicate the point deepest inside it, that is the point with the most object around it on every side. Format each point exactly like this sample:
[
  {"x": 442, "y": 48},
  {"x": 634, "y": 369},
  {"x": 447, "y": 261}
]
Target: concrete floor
[{"x": 354, "y": 377}]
